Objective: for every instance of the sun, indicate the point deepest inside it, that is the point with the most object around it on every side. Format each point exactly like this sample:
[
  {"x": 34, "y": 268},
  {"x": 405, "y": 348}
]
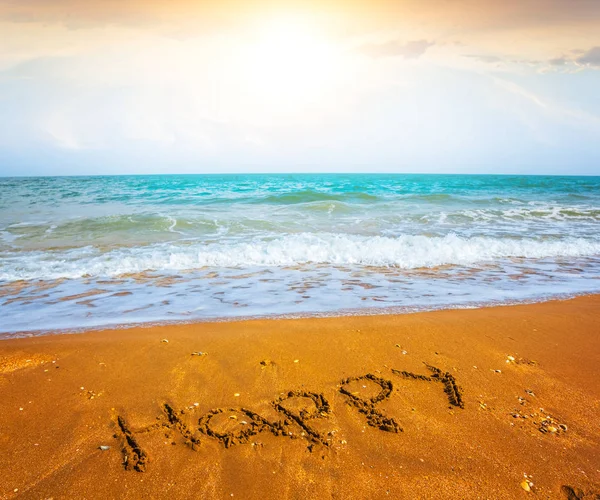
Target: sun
[{"x": 291, "y": 61}]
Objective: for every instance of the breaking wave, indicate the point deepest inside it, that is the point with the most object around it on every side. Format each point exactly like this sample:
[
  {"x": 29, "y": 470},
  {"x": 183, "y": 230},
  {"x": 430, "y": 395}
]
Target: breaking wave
[{"x": 403, "y": 252}]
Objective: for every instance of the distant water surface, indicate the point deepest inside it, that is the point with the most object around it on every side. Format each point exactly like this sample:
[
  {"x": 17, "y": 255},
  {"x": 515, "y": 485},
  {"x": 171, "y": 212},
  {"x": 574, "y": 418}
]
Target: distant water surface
[{"x": 81, "y": 252}]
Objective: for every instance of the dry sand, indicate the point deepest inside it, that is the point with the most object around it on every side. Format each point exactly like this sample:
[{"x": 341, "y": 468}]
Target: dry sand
[{"x": 452, "y": 404}]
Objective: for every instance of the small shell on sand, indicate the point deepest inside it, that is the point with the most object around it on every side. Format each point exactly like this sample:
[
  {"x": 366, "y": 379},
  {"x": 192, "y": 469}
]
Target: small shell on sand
[
  {"x": 165, "y": 341},
  {"x": 525, "y": 485}
]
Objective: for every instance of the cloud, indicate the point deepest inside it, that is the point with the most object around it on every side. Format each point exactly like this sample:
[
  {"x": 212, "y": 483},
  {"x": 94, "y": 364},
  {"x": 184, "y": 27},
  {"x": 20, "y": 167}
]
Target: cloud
[
  {"x": 591, "y": 57},
  {"x": 487, "y": 13},
  {"x": 571, "y": 60},
  {"x": 409, "y": 50},
  {"x": 578, "y": 59},
  {"x": 485, "y": 58},
  {"x": 558, "y": 61}
]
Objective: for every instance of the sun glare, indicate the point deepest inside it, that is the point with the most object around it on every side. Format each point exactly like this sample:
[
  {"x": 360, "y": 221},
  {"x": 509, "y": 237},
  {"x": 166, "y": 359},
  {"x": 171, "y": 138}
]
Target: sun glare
[{"x": 291, "y": 61}]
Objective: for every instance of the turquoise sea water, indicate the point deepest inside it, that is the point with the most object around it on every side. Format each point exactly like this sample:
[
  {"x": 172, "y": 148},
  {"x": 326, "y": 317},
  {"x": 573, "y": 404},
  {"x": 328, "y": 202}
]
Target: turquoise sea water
[{"x": 79, "y": 252}]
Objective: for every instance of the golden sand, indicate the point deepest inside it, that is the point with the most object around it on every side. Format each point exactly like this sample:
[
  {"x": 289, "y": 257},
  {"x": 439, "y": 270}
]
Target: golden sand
[{"x": 489, "y": 403}]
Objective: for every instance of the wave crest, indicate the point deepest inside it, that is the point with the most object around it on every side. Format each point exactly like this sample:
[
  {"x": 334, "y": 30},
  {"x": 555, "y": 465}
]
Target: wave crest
[{"x": 403, "y": 252}]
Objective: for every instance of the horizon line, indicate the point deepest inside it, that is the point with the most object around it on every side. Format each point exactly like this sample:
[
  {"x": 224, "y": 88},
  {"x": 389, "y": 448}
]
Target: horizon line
[{"x": 27, "y": 176}]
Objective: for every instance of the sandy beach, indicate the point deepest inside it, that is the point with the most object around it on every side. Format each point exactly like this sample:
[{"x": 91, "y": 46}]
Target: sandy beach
[
  {"x": 299, "y": 250},
  {"x": 485, "y": 403}
]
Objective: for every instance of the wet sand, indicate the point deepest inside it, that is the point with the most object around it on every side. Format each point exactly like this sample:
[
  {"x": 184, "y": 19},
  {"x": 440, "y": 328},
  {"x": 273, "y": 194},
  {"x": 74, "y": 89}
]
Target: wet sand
[{"x": 486, "y": 403}]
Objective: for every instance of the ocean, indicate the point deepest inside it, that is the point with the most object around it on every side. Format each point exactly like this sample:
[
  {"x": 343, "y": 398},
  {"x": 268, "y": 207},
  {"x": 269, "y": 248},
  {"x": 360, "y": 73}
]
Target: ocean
[{"x": 88, "y": 252}]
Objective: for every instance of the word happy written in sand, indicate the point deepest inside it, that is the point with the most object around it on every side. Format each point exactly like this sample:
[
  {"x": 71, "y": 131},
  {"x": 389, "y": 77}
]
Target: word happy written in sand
[{"x": 302, "y": 415}]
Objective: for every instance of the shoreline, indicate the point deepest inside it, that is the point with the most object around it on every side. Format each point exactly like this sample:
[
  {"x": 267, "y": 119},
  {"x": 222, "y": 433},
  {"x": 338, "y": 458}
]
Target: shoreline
[
  {"x": 342, "y": 313},
  {"x": 335, "y": 407}
]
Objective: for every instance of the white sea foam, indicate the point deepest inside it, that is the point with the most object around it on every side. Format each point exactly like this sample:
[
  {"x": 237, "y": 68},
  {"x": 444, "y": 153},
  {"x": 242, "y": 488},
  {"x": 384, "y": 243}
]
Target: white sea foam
[
  {"x": 404, "y": 252},
  {"x": 8, "y": 237}
]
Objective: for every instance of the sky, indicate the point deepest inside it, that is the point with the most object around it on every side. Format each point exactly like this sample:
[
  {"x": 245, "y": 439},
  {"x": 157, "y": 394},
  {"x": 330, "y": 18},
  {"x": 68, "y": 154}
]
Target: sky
[{"x": 192, "y": 86}]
